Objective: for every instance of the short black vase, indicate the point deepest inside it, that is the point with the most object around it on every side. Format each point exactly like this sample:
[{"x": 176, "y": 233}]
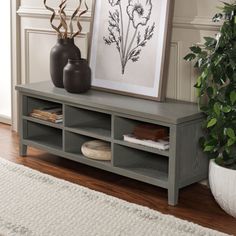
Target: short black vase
[
  {"x": 64, "y": 49},
  {"x": 77, "y": 76}
]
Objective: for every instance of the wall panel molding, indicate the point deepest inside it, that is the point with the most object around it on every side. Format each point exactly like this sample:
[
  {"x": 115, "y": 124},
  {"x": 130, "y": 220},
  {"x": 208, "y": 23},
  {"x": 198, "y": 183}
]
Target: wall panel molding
[
  {"x": 173, "y": 76},
  {"x": 27, "y": 50},
  {"x": 44, "y": 13},
  {"x": 197, "y": 22}
]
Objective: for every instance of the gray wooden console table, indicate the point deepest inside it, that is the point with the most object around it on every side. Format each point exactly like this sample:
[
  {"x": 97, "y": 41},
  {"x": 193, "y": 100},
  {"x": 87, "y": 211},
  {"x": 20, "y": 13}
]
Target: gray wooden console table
[{"x": 107, "y": 116}]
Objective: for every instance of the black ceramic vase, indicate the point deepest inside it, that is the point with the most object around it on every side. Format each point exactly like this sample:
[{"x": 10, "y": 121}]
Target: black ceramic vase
[
  {"x": 77, "y": 76},
  {"x": 64, "y": 49}
]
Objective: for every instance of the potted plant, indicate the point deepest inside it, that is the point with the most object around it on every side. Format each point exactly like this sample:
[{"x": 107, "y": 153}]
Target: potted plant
[
  {"x": 216, "y": 90},
  {"x": 65, "y": 48}
]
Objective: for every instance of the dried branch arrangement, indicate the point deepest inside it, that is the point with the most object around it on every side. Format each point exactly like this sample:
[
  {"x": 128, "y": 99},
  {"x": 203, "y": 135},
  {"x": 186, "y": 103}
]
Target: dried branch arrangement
[{"x": 65, "y": 29}]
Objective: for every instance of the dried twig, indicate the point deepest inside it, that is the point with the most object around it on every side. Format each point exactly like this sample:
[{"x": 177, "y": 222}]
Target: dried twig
[
  {"x": 52, "y": 18},
  {"x": 72, "y": 18},
  {"x": 63, "y": 23},
  {"x": 78, "y": 20},
  {"x": 62, "y": 16}
]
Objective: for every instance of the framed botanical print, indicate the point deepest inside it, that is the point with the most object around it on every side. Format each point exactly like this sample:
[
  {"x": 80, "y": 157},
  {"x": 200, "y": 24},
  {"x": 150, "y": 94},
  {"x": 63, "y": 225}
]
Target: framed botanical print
[{"x": 129, "y": 46}]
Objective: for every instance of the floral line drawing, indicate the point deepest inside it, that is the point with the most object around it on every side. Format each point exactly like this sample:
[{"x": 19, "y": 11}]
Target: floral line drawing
[{"x": 129, "y": 46}]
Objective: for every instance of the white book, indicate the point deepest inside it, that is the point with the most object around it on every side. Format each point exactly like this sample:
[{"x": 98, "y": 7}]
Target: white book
[{"x": 160, "y": 144}]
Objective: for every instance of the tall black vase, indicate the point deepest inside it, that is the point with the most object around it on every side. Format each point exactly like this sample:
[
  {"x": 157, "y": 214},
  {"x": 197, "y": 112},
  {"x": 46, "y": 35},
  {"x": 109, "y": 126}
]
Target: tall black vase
[{"x": 64, "y": 49}]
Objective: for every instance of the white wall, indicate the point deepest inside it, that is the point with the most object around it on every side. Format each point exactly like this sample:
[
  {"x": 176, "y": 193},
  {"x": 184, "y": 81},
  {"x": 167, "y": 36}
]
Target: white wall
[
  {"x": 5, "y": 62},
  {"x": 192, "y": 21}
]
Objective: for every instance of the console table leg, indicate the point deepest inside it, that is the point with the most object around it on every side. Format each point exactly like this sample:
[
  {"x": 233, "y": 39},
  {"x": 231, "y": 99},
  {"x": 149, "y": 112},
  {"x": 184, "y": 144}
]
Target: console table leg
[
  {"x": 173, "y": 196},
  {"x": 23, "y": 150}
]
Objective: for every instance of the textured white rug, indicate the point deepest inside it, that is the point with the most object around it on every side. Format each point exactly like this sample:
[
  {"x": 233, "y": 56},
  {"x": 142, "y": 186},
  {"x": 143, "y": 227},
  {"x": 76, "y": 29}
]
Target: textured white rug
[{"x": 32, "y": 203}]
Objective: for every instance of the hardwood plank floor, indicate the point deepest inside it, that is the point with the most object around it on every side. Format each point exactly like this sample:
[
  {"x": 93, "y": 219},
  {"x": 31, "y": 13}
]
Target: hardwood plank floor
[{"x": 196, "y": 203}]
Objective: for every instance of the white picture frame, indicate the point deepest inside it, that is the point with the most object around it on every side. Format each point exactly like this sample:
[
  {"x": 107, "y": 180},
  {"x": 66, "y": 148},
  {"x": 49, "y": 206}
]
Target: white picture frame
[{"x": 130, "y": 46}]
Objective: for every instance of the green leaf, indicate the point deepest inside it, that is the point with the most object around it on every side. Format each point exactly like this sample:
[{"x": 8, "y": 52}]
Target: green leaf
[
  {"x": 204, "y": 54},
  {"x": 217, "y": 109},
  {"x": 205, "y": 73},
  {"x": 211, "y": 142},
  {"x": 230, "y": 132},
  {"x": 209, "y": 148},
  {"x": 190, "y": 57},
  {"x": 214, "y": 135},
  {"x": 233, "y": 97},
  {"x": 199, "y": 82},
  {"x": 210, "y": 42},
  {"x": 227, "y": 150},
  {"x": 217, "y": 17},
  {"x": 230, "y": 142},
  {"x": 196, "y": 49},
  {"x": 199, "y": 63},
  {"x": 218, "y": 60},
  {"x": 198, "y": 92},
  {"x": 226, "y": 109},
  {"x": 212, "y": 122}
]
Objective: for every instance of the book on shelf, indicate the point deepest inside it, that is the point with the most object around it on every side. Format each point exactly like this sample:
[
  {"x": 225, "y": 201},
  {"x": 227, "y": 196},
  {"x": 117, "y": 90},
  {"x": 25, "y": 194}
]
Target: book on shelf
[
  {"x": 150, "y": 132},
  {"x": 161, "y": 144},
  {"x": 52, "y": 114}
]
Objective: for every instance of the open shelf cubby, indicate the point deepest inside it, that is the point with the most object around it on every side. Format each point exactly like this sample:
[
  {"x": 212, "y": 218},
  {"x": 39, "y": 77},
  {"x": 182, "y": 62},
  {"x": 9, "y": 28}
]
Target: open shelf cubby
[
  {"x": 88, "y": 122},
  {"x": 126, "y": 126},
  {"x": 141, "y": 163},
  {"x": 123, "y": 126},
  {"x": 43, "y": 135},
  {"x": 73, "y": 144},
  {"x": 36, "y": 103}
]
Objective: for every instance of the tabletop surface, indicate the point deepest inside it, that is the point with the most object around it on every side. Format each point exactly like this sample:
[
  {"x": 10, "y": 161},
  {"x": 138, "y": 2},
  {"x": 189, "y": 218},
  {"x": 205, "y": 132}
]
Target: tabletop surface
[{"x": 172, "y": 112}]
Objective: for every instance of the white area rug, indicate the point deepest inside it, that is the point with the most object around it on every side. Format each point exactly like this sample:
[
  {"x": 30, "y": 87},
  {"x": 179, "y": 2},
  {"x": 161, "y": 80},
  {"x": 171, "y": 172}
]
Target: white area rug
[{"x": 32, "y": 203}]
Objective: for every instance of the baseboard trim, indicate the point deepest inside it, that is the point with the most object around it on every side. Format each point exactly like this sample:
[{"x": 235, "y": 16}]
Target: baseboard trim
[{"x": 5, "y": 119}]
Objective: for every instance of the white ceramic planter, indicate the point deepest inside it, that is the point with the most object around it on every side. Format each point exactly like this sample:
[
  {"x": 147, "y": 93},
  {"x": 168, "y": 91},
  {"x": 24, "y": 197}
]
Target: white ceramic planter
[{"x": 223, "y": 186}]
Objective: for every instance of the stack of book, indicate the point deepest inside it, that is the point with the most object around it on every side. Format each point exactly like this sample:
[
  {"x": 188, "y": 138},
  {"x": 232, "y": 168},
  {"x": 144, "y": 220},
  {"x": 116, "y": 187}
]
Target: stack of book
[
  {"x": 51, "y": 114},
  {"x": 149, "y": 135}
]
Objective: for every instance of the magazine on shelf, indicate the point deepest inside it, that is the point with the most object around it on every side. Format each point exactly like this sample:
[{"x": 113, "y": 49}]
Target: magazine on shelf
[
  {"x": 161, "y": 144},
  {"x": 55, "y": 112},
  {"x": 52, "y": 114},
  {"x": 35, "y": 115}
]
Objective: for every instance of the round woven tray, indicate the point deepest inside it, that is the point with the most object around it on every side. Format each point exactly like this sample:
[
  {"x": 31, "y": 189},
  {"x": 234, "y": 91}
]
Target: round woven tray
[{"x": 97, "y": 150}]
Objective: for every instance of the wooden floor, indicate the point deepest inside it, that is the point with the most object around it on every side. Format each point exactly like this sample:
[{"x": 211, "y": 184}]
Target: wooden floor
[{"x": 196, "y": 203}]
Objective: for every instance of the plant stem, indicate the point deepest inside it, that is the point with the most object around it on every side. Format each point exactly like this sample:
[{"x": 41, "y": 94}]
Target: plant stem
[
  {"x": 127, "y": 36},
  {"x": 129, "y": 48},
  {"x": 122, "y": 33}
]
